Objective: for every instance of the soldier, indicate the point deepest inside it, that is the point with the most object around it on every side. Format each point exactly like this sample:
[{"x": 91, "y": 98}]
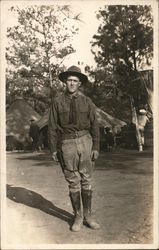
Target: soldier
[
  {"x": 109, "y": 139},
  {"x": 34, "y": 133},
  {"x": 142, "y": 120},
  {"x": 73, "y": 119}
]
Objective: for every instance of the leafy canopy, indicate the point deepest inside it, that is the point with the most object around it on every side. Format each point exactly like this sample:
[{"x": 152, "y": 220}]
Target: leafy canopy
[
  {"x": 125, "y": 35},
  {"x": 122, "y": 47},
  {"x": 37, "y": 47}
]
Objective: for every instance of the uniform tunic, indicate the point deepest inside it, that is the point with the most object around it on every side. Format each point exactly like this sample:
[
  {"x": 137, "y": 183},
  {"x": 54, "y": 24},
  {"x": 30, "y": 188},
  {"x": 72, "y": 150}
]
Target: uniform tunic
[
  {"x": 84, "y": 118},
  {"x": 69, "y": 116}
]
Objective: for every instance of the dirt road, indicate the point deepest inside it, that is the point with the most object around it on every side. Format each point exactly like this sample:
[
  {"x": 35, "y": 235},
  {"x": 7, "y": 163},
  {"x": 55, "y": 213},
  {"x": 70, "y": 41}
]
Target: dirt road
[{"x": 39, "y": 209}]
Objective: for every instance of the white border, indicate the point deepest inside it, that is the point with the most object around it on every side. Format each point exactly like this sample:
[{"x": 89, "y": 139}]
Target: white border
[{"x": 155, "y": 244}]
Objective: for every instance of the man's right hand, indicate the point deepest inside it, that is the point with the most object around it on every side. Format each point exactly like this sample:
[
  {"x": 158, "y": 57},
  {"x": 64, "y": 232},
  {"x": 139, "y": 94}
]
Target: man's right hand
[{"x": 54, "y": 156}]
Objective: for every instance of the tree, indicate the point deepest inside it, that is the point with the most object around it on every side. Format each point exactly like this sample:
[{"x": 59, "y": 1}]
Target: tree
[
  {"x": 38, "y": 45},
  {"x": 125, "y": 35},
  {"x": 124, "y": 41}
]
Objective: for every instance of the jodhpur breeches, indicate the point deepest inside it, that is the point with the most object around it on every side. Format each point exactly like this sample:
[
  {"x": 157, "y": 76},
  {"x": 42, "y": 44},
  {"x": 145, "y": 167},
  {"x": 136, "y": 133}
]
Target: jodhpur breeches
[{"x": 78, "y": 165}]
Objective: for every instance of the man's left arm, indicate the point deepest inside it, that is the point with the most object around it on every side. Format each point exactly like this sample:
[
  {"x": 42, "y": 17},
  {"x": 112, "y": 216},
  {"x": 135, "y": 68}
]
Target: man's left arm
[{"x": 94, "y": 130}]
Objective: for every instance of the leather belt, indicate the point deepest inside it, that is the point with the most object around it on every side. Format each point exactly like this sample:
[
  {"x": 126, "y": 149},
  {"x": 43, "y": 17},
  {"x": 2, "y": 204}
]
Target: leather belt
[{"x": 74, "y": 135}]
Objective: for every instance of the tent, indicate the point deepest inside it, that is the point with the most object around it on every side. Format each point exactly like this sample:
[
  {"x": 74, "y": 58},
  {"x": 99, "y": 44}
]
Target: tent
[
  {"x": 104, "y": 119},
  {"x": 43, "y": 121},
  {"x": 18, "y": 121},
  {"x": 146, "y": 79}
]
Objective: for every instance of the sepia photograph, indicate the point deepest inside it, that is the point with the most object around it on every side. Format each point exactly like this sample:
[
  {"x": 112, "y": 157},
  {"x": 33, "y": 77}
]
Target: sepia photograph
[{"x": 79, "y": 124}]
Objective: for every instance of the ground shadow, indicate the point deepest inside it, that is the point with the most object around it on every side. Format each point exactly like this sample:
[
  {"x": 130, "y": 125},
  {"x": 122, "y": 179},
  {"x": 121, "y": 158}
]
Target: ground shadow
[
  {"x": 40, "y": 159},
  {"x": 115, "y": 160},
  {"x": 131, "y": 162},
  {"x": 35, "y": 200}
]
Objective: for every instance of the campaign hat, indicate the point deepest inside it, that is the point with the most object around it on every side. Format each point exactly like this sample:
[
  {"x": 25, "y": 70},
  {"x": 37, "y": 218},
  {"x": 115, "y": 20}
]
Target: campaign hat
[{"x": 73, "y": 71}]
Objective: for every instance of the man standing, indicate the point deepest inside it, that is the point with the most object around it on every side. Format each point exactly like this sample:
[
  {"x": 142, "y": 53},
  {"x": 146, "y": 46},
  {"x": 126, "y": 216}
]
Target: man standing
[
  {"x": 34, "y": 133},
  {"x": 73, "y": 119},
  {"x": 109, "y": 139},
  {"x": 142, "y": 120}
]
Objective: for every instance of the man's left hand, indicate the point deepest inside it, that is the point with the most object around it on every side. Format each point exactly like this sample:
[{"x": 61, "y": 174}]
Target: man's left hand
[{"x": 94, "y": 155}]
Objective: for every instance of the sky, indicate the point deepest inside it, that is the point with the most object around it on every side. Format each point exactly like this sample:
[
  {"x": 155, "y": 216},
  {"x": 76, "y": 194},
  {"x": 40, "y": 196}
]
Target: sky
[{"x": 87, "y": 29}]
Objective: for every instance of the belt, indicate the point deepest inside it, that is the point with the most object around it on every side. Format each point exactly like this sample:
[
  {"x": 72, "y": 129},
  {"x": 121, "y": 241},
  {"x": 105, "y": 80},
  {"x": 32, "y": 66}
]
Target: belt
[{"x": 74, "y": 135}]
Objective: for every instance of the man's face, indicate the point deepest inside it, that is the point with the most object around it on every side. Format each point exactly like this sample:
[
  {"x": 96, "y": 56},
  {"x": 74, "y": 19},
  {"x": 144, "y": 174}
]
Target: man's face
[{"x": 72, "y": 84}]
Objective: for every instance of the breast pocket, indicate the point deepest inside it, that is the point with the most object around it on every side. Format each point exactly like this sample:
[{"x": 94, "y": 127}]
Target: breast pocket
[
  {"x": 63, "y": 116},
  {"x": 84, "y": 115}
]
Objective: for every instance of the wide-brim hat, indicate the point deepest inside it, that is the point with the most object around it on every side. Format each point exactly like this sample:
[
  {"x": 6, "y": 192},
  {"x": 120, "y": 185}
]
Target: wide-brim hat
[{"x": 73, "y": 71}]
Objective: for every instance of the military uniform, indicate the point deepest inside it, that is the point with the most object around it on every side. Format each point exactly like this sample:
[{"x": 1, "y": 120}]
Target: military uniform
[
  {"x": 34, "y": 133},
  {"x": 79, "y": 133},
  {"x": 74, "y": 131}
]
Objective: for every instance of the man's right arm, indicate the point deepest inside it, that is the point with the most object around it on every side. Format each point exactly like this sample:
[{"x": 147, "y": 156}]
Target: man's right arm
[{"x": 52, "y": 129}]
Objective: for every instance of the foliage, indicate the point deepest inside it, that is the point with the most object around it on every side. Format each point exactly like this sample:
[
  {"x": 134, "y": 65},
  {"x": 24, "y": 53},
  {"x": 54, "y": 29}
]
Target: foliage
[
  {"x": 125, "y": 35},
  {"x": 37, "y": 47},
  {"x": 123, "y": 44}
]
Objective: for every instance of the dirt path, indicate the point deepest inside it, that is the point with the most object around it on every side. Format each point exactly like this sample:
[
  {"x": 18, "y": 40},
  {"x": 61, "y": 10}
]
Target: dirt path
[{"x": 39, "y": 209}]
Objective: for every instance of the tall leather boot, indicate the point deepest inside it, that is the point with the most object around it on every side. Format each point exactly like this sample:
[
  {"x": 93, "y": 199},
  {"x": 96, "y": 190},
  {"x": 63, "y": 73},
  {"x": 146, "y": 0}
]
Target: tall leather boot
[
  {"x": 86, "y": 199},
  {"x": 76, "y": 204}
]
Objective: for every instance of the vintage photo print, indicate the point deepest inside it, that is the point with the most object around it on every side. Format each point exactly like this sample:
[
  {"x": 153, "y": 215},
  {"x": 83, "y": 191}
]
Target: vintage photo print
[{"x": 79, "y": 124}]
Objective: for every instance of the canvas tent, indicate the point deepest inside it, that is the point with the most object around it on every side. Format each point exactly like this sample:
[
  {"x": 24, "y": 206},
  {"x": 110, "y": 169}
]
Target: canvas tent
[
  {"x": 43, "y": 121},
  {"x": 18, "y": 121},
  {"x": 145, "y": 79},
  {"x": 104, "y": 119}
]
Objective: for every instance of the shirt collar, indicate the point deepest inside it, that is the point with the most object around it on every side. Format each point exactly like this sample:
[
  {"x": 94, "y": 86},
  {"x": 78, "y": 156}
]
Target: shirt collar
[{"x": 67, "y": 95}]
